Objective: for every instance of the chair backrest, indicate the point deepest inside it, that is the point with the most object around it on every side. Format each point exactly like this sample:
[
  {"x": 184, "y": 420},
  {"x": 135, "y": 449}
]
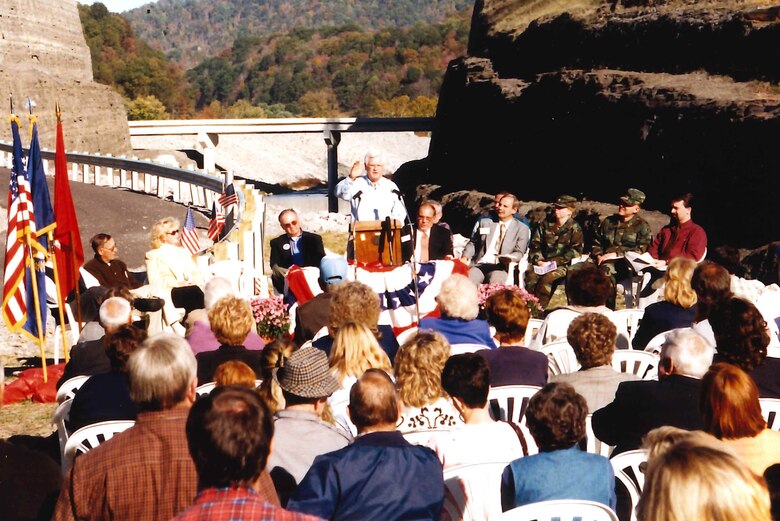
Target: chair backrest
[
  {"x": 534, "y": 324},
  {"x": 509, "y": 402},
  {"x": 560, "y": 357},
  {"x": 89, "y": 437},
  {"x": 561, "y": 510},
  {"x": 590, "y": 443},
  {"x": 473, "y": 492},
  {"x": 422, "y": 437},
  {"x": 205, "y": 388},
  {"x": 770, "y": 407},
  {"x": 69, "y": 387},
  {"x": 404, "y": 335},
  {"x": 630, "y": 471},
  {"x": 644, "y": 364},
  {"x": 60, "y": 416},
  {"x": 773, "y": 351},
  {"x": 655, "y": 343},
  {"x": 631, "y": 319},
  {"x": 459, "y": 349}
]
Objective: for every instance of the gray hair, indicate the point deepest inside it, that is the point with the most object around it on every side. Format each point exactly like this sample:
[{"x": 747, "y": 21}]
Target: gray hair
[
  {"x": 161, "y": 372},
  {"x": 215, "y": 289},
  {"x": 690, "y": 352},
  {"x": 459, "y": 297},
  {"x": 115, "y": 312},
  {"x": 372, "y": 153}
]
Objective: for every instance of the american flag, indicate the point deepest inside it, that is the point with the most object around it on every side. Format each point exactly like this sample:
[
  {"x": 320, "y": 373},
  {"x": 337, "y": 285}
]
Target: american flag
[
  {"x": 216, "y": 223},
  {"x": 228, "y": 197},
  {"x": 21, "y": 222},
  {"x": 189, "y": 236}
]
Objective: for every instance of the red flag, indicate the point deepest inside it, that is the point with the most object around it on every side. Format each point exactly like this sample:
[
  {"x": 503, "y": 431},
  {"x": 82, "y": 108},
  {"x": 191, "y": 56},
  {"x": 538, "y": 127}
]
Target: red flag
[{"x": 70, "y": 256}]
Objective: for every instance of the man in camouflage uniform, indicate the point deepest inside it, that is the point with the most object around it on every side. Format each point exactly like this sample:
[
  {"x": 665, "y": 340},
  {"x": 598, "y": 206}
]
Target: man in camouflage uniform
[
  {"x": 620, "y": 233},
  {"x": 559, "y": 241}
]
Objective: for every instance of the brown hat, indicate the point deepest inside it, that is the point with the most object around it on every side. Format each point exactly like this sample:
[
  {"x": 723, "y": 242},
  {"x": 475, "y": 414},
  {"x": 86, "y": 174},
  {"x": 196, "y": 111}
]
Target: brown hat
[
  {"x": 632, "y": 197},
  {"x": 306, "y": 374},
  {"x": 565, "y": 201}
]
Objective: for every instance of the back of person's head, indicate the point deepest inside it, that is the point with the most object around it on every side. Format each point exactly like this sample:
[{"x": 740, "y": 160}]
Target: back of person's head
[
  {"x": 467, "y": 378},
  {"x": 271, "y": 357},
  {"x": 216, "y": 289},
  {"x": 458, "y": 298},
  {"x": 740, "y": 333},
  {"x": 231, "y": 320},
  {"x": 354, "y": 302},
  {"x": 556, "y": 417},
  {"x": 333, "y": 271},
  {"x": 687, "y": 353},
  {"x": 592, "y": 336},
  {"x": 229, "y": 435},
  {"x": 729, "y": 403},
  {"x": 418, "y": 365},
  {"x": 120, "y": 344},
  {"x": 698, "y": 481},
  {"x": 354, "y": 350},
  {"x": 712, "y": 284},
  {"x": 115, "y": 312},
  {"x": 677, "y": 282},
  {"x": 373, "y": 401},
  {"x": 161, "y": 372},
  {"x": 660, "y": 439},
  {"x": 508, "y": 313},
  {"x": 728, "y": 257},
  {"x": 234, "y": 372},
  {"x": 588, "y": 287}
]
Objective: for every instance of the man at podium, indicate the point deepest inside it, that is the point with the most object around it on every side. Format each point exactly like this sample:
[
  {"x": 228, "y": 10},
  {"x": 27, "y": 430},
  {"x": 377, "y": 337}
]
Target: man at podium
[{"x": 372, "y": 196}]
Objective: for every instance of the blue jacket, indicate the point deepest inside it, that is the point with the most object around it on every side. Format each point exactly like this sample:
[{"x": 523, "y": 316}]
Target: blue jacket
[
  {"x": 459, "y": 331},
  {"x": 559, "y": 474},
  {"x": 380, "y": 476}
]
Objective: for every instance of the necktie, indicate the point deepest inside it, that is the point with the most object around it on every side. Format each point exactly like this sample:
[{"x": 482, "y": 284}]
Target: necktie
[
  {"x": 423, "y": 247},
  {"x": 500, "y": 242}
]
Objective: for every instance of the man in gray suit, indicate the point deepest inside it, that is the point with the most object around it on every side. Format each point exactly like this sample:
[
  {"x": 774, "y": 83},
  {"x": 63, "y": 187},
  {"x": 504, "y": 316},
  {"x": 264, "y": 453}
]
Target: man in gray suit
[
  {"x": 496, "y": 244},
  {"x": 592, "y": 336}
]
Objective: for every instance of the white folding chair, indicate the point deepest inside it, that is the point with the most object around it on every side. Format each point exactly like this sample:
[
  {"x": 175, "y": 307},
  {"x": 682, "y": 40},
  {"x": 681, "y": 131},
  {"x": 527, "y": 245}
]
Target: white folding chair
[
  {"x": 773, "y": 351},
  {"x": 629, "y": 469},
  {"x": 655, "y": 343},
  {"x": 404, "y": 335},
  {"x": 515, "y": 275},
  {"x": 509, "y": 402},
  {"x": 630, "y": 318},
  {"x": 473, "y": 492},
  {"x": 644, "y": 364},
  {"x": 561, "y": 358},
  {"x": 60, "y": 416},
  {"x": 561, "y": 510},
  {"x": 69, "y": 387},
  {"x": 459, "y": 349},
  {"x": 89, "y": 437},
  {"x": 422, "y": 436},
  {"x": 770, "y": 408},
  {"x": 590, "y": 443},
  {"x": 204, "y": 389}
]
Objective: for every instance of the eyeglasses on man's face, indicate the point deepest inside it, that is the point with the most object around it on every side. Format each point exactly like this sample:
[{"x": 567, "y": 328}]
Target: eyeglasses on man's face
[{"x": 173, "y": 232}]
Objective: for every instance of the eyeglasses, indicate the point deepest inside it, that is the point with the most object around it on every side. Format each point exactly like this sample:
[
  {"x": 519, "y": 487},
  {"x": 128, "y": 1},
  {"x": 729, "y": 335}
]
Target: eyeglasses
[
  {"x": 291, "y": 223},
  {"x": 174, "y": 232},
  {"x": 424, "y": 218}
]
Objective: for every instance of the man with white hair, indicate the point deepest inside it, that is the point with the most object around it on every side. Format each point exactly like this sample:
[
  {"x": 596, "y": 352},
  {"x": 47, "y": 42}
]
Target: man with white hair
[
  {"x": 373, "y": 197},
  {"x": 641, "y": 406}
]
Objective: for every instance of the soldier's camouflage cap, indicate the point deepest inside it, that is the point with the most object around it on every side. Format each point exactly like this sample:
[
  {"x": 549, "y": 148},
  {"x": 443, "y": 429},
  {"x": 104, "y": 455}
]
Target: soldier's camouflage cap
[
  {"x": 633, "y": 196},
  {"x": 565, "y": 201}
]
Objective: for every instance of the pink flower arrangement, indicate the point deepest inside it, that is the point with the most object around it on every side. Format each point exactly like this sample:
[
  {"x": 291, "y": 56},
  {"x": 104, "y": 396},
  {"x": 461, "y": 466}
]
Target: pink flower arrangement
[
  {"x": 485, "y": 290},
  {"x": 271, "y": 317}
]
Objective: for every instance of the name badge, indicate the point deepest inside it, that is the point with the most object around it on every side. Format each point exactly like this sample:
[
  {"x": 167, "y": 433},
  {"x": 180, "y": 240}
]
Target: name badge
[
  {"x": 406, "y": 238},
  {"x": 285, "y": 246},
  {"x": 484, "y": 231}
]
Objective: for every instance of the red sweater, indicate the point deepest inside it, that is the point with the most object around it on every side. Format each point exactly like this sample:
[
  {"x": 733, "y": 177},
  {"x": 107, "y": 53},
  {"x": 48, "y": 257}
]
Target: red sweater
[{"x": 690, "y": 243}]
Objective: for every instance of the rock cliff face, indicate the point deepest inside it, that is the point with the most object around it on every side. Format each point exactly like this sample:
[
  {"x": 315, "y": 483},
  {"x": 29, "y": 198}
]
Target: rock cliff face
[
  {"x": 43, "y": 56},
  {"x": 666, "y": 96}
]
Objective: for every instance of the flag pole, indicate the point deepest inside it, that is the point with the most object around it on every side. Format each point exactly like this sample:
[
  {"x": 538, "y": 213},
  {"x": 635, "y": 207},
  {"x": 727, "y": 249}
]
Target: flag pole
[
  {"x": 37, "y": 302},
  {"x": 60, "y": 299}
]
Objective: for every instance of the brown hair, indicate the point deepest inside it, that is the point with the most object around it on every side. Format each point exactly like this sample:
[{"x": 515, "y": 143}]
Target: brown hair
[
  {"x": 231, "y": 320},
  {"x": 120, "y": 345},
  {"x": 556, "y": 417},
  {"x": 418, "y": 365},
  {"x": 729, "y": 403},
  {"x": 740, "y": 333},
  {"x": 712, "y": 284},
  {"x": 271, "y": 357},
  {"x": 234, "y": 372},
  {"x": 354, "y": 302},
  {"x": 588, "y": 287},
  {"x": 508, "y": 313},
  {"x": 373, "y": 400},
  {"x": 592, "y": 336}
]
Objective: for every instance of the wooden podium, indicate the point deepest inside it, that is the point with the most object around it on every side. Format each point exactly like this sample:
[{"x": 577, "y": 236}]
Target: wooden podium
[{"x": 378, "y": 241}]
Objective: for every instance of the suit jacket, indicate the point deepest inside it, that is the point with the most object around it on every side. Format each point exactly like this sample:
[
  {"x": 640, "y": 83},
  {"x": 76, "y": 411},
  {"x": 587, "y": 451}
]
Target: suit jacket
[
  {"x": 312, "y": 316},
  {"x": 515, "y": 241},
  {"x": 439, "y": 244},
  {"x": 640, "y": 407},
  {"x": 86, "y": 358},
  {"x": 311, "y": 247},
  {"x": 597, "y": 384}
]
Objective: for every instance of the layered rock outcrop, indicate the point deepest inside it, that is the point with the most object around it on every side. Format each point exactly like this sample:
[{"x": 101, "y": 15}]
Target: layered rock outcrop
[{"x": 43, "y": 56}]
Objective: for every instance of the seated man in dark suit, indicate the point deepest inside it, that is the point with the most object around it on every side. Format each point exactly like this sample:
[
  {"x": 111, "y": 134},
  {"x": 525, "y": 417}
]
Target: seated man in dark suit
[
  {"x": 109, "y": 271},
  {"x": 430, "y": 242},
  {"x": 641, "y": 406},
  {"x": 293, "y": 247}
]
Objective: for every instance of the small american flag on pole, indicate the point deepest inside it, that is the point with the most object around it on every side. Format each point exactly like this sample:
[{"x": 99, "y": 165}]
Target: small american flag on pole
[
  {"x": 189, "y": 236},
  {"x": 216, "y": 223},
  {"x": 228, "y": 197}
]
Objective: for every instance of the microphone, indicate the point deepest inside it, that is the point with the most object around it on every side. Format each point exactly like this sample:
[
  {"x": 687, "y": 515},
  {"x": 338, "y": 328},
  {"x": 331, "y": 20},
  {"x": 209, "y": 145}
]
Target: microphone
[{"x": 357, "y": 195}]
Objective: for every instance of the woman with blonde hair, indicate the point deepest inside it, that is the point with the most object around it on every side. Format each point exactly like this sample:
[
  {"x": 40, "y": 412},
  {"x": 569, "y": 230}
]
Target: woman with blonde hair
[
  {"x": 676, "y": 310},
  {"x": 272, "y": 357}
]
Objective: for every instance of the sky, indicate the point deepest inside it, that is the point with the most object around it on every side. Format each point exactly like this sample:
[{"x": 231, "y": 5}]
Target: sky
[{"x": 118, "y": 6}]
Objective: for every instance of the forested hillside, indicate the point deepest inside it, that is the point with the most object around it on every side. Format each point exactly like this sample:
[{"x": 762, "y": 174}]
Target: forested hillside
[{"x": 188, "y": 31}]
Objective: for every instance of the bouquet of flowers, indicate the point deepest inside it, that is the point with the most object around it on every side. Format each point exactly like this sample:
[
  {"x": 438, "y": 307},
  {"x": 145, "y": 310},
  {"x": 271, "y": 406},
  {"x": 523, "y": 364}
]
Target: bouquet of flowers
[
  {"x": 271, "y": 317},
  {"x": 485, "y": 290}
]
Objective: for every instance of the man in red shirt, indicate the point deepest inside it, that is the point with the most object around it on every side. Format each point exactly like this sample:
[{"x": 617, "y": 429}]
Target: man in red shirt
[{"x": 680, "y": 238}]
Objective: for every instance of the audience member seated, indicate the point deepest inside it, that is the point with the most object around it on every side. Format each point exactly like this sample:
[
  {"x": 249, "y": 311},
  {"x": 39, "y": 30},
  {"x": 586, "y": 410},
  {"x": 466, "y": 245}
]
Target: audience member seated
[
  {"x": 587, "y": 291},
  {"x": 313, "y": 315},
  {"x": 231, "y": 321},
  {"x": 229, "y": 437},
  {"x": 293, "y": 247},
  {"x": 301, "y": 434},
  {"x": 380, "y": 476},
  {"x": 676, "y": 310},
  {"x": 235, "y": 372},
  {"x": 641, "y": 406},
  {"x": 592, "y": 336},
  {"x": 199, "y": 334},
  {"x": 431, "y": 242},
  {"x": 741, "y": 337},
  {"x": 458, "y": 301},
  {"x": 693, "y": 480},
  {"x": 90, "y": 357},
  {"x": 106, "y": 396},
  {"x": 660, "y": 439},
  {"x": 357, "y": 302},
  {"x": 90, "y": 303},
  {"x": 173, "y": 274},
  {"x": 418, "y": 366},
  {"x": 556, "y": 419},
  {"x": 732, "y": 413},
  {"x": 109, "y": 271},
  {"x": 712, "y": 285},
  {"x": 511, "y": 363},
  {"x": 272, "y": 357}
]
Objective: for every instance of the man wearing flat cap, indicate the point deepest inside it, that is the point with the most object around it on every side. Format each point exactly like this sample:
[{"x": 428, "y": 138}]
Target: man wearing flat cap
[
  {"x": 554, "y": 241},
  {"x": 620, "y": 233},
  {"x": 300, "y": 433}
]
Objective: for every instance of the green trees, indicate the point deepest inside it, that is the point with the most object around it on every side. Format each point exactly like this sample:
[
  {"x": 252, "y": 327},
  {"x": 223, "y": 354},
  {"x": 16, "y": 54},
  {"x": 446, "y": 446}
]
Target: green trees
[{"x": 144, "y": 108}]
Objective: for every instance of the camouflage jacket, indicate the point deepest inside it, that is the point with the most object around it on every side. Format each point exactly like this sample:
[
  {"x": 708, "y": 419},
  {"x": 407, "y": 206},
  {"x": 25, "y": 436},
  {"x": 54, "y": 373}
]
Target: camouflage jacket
[
  {"x": 616, "y": 236},
  {"x": 550, "y": 242}
]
